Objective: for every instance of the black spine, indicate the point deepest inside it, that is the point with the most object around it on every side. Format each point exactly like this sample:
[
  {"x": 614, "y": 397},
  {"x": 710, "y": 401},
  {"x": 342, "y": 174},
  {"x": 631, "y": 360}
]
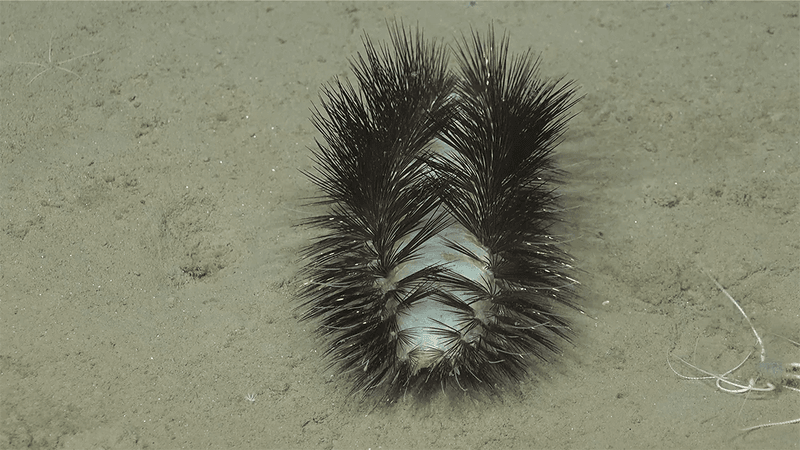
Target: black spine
[
  {"x": 373, "y": 170},
  {"x": 499, "y": 185}
]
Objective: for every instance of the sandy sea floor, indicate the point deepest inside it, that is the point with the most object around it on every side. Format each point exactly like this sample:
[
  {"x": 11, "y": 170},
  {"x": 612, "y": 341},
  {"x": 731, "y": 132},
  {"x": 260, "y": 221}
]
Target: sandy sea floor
[{"x": 150, "y": 158}]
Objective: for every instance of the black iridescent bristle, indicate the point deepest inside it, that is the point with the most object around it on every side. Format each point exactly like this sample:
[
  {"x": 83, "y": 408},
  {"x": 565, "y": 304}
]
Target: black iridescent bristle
[{"x": 437, "y": 267}]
